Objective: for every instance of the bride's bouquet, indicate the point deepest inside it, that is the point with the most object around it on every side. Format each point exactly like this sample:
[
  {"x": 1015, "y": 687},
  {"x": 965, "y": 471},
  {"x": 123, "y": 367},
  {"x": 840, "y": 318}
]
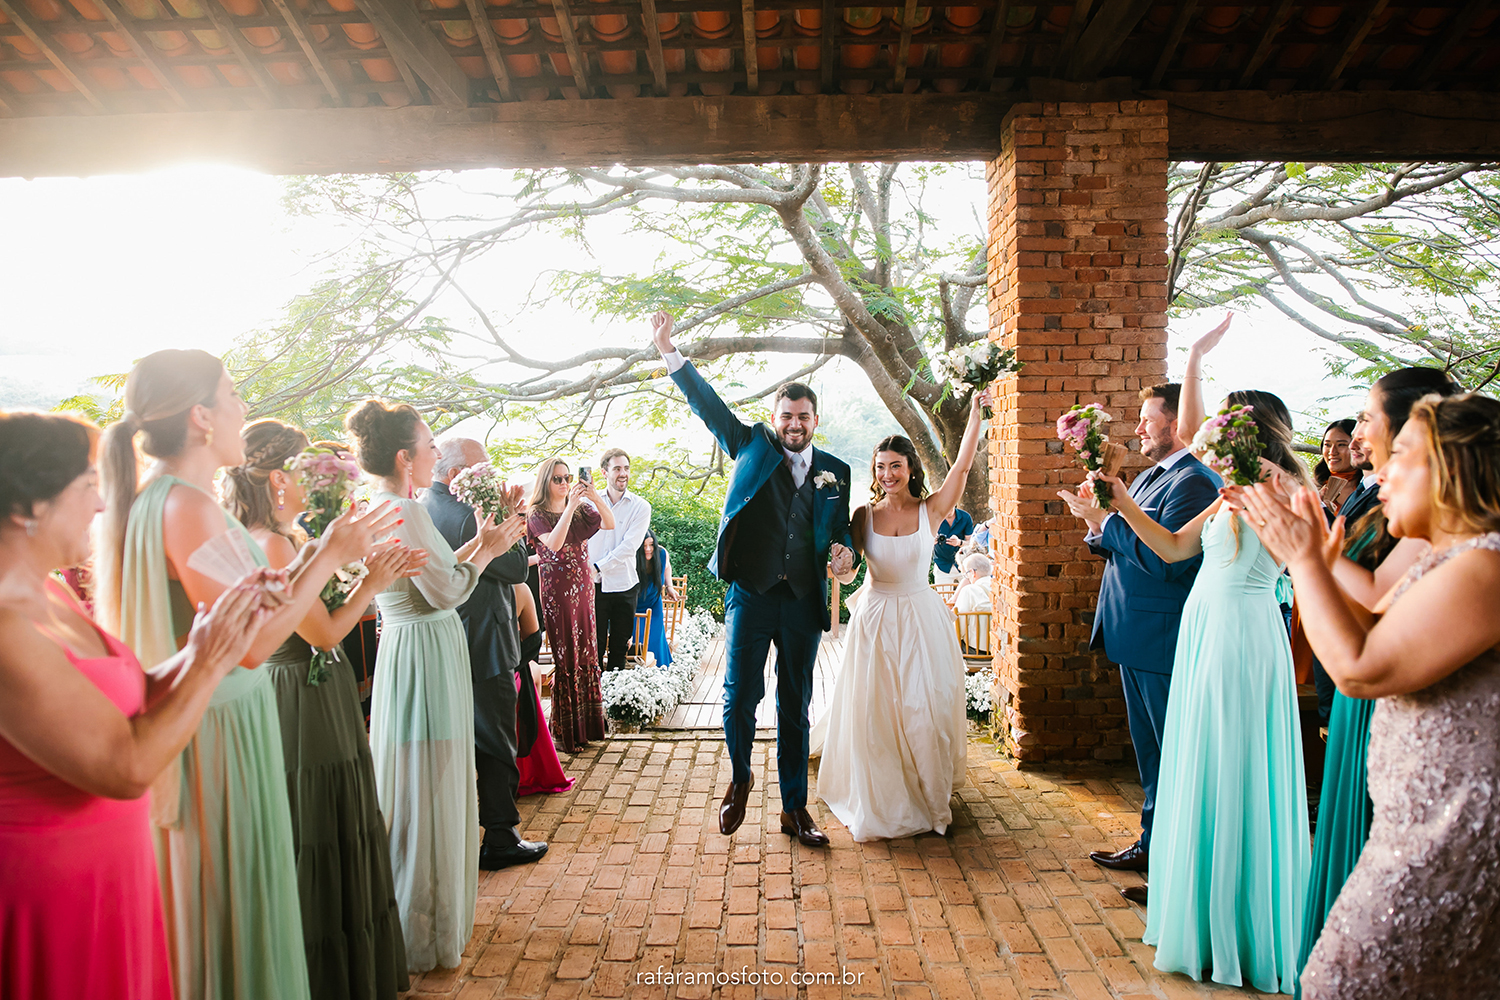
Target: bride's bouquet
[
  {"x": 328, "y": 480},
  {"x": 481, "y": 487},
  {"x": 971, "y": 369},
  {"x": 1232, "y": 446},
  {"x": 1082, "y": 429}
]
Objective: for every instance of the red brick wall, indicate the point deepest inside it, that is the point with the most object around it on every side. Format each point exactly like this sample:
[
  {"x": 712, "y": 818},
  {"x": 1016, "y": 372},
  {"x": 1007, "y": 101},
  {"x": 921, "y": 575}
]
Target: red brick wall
[{"x": 1077, "y": 278}]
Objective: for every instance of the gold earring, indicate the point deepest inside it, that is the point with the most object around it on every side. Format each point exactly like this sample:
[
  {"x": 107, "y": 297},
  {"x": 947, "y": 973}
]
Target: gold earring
[
  {"x": 208, "y": 437},
  {"x": 280, "y": 499}
]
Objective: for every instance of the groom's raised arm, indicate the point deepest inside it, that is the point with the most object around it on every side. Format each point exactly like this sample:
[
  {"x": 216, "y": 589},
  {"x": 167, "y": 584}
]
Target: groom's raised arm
[{"x": 731, "y": 432}]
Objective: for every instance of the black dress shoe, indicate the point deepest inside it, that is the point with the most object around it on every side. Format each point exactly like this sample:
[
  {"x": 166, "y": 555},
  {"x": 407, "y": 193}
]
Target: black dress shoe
[
  {"x": 1135, "y": 893},
  {"x": 520, "y": 853},
  {"x": 1133, "y": 859},
  {"x": 732, "y": 810},
  {"x": 799, "y": 823}
]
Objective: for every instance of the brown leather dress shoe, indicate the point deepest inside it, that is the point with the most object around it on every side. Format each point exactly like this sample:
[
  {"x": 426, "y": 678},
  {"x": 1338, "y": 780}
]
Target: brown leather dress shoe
[
  {"x": 732, "y": 811},
  {"x": 1135, "y": 893},
  {"x": 1133, "y": 859},
  {"x": 799, "y": 823}
]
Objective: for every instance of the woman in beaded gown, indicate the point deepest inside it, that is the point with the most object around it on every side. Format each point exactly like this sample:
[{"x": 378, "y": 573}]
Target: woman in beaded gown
[
  {"x": 224, "y": 836},
  {"x": 1230, "y": 848},
  {"x": 350, "y": 923},
  {"x": 560, "y": 525},
  {"x": 1419, "y": 917},
  {"x": 894, "y": 737},
  {"x": 422, "y": 713}
]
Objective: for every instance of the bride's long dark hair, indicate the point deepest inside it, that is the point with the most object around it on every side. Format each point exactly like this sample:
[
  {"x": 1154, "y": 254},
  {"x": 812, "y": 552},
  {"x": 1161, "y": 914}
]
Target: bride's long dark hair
[{"x": 917, "y": 485}]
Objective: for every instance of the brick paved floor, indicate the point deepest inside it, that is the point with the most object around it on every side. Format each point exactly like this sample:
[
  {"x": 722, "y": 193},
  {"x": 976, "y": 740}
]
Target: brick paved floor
[{"x": 639, "y": 879}]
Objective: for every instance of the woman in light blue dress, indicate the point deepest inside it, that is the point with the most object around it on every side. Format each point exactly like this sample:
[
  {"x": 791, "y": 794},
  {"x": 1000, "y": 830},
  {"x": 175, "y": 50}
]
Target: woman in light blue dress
[
  {"x": 654, "y": 569},
  {"x": 1230, "y": 855}
]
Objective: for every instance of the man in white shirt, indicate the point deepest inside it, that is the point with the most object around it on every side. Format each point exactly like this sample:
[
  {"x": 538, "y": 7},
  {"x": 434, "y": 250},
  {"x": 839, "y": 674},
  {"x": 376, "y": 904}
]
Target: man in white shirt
[
  {"x": 612, "y": 554},
  {"x": 974, "y": 591}
]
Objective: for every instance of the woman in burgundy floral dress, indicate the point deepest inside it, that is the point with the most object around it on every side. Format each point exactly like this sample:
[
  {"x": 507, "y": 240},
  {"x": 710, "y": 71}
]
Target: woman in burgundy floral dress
[{"x": 560, "y": 526}]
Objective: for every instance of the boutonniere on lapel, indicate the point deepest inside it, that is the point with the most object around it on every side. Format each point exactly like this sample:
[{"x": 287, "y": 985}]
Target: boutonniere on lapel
[{"x": 826, "y": 480}]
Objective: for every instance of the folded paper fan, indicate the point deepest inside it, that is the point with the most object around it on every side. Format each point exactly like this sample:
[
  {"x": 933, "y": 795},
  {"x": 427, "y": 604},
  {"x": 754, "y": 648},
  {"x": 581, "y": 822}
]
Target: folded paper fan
[{"x": 224, "y": 558}]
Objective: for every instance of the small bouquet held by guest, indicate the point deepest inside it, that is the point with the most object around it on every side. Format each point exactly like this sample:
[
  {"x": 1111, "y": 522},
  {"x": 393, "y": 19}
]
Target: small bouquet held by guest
[
  {"x": 1232, "y": 445},
  {"x": 971, "y": 369},
  {"x": 481, "y": 487},
  {"x": 328, "y": 479},
  {"x": 1082, "y": 429}
]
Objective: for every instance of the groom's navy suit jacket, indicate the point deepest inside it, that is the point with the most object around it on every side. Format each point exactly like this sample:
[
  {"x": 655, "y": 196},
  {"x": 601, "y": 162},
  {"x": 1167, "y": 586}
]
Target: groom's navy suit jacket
[
  {"x": 757, "y": 454},
  {"x": 1141, "y": 597}
]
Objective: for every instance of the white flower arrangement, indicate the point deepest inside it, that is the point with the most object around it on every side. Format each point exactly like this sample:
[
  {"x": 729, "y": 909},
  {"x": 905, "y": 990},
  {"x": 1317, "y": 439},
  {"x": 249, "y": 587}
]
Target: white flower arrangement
[
  {"x": 977, "y": 689},
  {"x": 640, "y": 696},
  {"x": 825, "y": 480}
]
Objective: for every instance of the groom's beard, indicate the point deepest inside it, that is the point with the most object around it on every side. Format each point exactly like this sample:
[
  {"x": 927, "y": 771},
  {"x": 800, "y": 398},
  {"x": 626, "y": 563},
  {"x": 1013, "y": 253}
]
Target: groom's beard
[{"x": 794, "y": 448}]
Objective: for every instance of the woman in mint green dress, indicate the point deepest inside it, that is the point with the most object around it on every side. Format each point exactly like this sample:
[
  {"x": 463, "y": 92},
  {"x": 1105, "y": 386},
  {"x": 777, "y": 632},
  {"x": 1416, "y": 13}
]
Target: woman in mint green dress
[
  {"x": 422, "y": 713},
  {"x": 222, "y": 826},
  {"x": 1229, "y": 852}
]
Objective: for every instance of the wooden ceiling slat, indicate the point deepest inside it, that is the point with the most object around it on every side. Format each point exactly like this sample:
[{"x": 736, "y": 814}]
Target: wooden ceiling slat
[
  {"x": 1076, "y": 22},
  {"x": 903, "y": 47},
  {"x": 1185, "y": 11},
  {"x": 1359, "y": 30},
  {"x": 42, "y": 39},
  {"x": 1454, "y": 33},
  {"x": 246, "y": 57},
  {"x": 408, "y": 78},
  {"x": 412, "y": 41},
  {"x": 825, "y": 65},
  {"x": 293, "y": 18},
  {"x": 752, "y": 64},
  {"x": 1262, "y": 50},
  {"x": 1106, "y": 34},
  {"x": 992, "y": 49},
  {"x": 121, "y": 22},
  {"x": 570, "y": 45},
  {"x": 486, "y": 32},
  {"x": 655, "y": 58}
]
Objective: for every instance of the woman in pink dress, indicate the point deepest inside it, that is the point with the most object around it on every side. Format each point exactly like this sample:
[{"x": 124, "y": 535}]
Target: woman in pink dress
[
  {"x": 559, "y": 527},
  {"x": 80, "y": 904},
  {"x": 541, "y": 771}
]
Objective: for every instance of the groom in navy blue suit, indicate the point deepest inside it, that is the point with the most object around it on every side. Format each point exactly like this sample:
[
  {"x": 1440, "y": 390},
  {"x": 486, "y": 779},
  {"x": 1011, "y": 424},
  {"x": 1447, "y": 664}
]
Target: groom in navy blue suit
[
  {"x": 785, "y": 526},
  {"x": 1141, "y": 597}
]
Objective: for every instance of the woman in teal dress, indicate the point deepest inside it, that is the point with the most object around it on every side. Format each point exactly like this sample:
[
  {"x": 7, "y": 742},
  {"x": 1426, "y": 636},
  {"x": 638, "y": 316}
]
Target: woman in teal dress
[
  {"x": 350, "y": 923},
  {"x": 223, "y": 829},
  {"x": 1373, "y": 562},
  {"x": 422, "y": 713},
  {"x": 1229, "y": 853}
]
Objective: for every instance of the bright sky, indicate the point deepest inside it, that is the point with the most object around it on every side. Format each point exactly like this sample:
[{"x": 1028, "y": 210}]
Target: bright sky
[{"x": 97, "y": 272}]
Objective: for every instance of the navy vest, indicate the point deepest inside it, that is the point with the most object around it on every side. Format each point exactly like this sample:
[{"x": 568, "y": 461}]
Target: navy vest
[{"x": 773, "y": 536}]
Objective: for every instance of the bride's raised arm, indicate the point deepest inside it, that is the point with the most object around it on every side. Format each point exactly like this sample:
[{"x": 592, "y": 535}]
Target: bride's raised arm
[{"x": 941, "y": 503}]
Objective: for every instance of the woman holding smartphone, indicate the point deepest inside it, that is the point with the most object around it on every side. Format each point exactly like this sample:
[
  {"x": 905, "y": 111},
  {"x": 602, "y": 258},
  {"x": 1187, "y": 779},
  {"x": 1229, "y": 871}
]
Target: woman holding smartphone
[{"x": 560, "y": 526}]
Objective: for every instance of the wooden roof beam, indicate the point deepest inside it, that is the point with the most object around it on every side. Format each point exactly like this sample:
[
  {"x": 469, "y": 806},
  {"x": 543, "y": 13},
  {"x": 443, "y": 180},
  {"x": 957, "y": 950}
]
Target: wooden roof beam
[
  {"x": 1454, "y": 33},
  {"x": 32, "y": 29},
  {"x": 570, "y": 45},
  {"x": 752, "y": 63},
  {"x": 1070, "y": 37},
  {"x": 147, "y": 52},
  {"x": 826, "y": 48},
  {"x": 412, "y": 42},
  {"x": 1359, "y": 31},
  {"x": 486, "y": 32},
  {"x": 1105, "y": 35},
  {"x": 992, "y": 50},
  {"x": 294, "y": 21},
  {"x": 247, "y": 57},
  {"x": 1185, "y": 11},
  {"x": 1262, "y": 50},
  {"x": 654, "y": 55},
  {"x": 903, "y": 47}
]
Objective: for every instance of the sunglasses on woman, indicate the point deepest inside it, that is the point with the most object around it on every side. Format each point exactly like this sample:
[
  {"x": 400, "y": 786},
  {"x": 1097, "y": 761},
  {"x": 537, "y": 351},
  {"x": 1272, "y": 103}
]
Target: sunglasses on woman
[{"x": 563, "y": 480}]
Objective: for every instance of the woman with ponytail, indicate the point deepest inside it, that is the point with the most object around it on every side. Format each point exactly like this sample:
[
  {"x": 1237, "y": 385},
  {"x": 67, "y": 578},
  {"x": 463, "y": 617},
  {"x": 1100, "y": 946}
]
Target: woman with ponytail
[
  {"x": 350, "y": 923},
  {"x": 223, "y": 827},
  {"x": 422, "y": 714}
]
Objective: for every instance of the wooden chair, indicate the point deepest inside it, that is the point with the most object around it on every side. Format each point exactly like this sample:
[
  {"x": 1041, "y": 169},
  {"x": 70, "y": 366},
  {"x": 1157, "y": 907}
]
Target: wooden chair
[
  {"x": 640, "y": 638},
  {"x": 973, "y": 628},
  {"x": 674, "y": 610},
  {"x": 947, "y": 591}
]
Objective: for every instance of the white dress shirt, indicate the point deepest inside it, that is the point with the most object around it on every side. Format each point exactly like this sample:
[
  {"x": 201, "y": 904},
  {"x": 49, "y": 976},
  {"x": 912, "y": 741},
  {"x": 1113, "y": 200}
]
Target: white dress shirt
[{"x": 612, "y": 550}]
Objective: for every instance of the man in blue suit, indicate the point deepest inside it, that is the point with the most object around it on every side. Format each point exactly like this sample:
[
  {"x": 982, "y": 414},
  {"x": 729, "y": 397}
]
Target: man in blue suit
[
  {"x": 1141, "y": 597},
  {"x": 785, "y": 526}
]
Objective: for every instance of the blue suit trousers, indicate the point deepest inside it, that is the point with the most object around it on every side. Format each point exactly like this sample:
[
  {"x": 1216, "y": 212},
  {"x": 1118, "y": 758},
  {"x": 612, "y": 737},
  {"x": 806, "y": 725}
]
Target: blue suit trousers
[
  {"x": 1146, "y": 712},
  {"x": 752, "y": 624}
]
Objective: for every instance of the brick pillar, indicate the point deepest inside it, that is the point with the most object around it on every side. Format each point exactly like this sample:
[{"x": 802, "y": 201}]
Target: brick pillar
[{"x": 1077, "y": 278}]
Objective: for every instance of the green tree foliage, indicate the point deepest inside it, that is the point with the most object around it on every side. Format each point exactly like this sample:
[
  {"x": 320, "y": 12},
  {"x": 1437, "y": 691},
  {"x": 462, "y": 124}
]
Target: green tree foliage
[{"x": 685, "y": 520}]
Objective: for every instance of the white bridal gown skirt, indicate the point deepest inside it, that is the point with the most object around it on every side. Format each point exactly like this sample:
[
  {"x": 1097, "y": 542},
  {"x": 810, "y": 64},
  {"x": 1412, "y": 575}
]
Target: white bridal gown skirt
[{"x": 894, "y": 735}]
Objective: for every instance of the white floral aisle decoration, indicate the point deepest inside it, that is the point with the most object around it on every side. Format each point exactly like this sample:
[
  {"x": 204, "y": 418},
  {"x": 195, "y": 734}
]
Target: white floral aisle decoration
[
  {"x": 977, "y": 688},
  {"x": 638, "y": 697}
]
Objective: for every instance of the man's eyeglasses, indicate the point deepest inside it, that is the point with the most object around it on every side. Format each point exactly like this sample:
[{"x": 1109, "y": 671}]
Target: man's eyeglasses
[{"x": 563, "y": 480}]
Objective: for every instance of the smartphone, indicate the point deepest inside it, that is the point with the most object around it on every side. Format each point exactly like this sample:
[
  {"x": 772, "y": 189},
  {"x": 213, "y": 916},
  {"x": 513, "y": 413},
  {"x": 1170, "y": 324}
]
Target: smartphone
[{"x": 585, "y": 474}]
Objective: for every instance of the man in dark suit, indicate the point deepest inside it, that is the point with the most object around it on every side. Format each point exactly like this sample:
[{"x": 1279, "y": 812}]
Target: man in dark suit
[
  {"x": 1141, "y": 597},
  {"x": 489, "y": 617},
  {"x": 785, "y": 526}
]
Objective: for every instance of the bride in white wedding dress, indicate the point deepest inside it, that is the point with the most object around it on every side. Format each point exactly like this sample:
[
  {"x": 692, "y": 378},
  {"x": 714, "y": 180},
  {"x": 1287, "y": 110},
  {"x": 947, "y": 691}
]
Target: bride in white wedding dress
[{"x": 894, "y": 736}]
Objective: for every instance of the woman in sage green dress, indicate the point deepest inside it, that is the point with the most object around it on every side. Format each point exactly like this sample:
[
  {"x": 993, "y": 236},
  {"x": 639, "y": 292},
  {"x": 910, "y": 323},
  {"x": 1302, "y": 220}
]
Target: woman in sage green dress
[
  {"x": 1373, "y": 562},
  {"x": 350, "y": 923},
  {"x": 1229, "y": 852},
  {"x": 222, "y": 826},
  {"x": 422, "y": 714}
]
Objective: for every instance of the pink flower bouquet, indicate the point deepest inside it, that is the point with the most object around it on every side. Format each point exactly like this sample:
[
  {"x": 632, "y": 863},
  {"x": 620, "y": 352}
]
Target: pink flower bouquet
[
  {"x": 1232, "y": 446},
  {"x": 481, "y": 487},
  {"x": 327, "y": 479},
  {"x": 1082, "y": 429}
]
